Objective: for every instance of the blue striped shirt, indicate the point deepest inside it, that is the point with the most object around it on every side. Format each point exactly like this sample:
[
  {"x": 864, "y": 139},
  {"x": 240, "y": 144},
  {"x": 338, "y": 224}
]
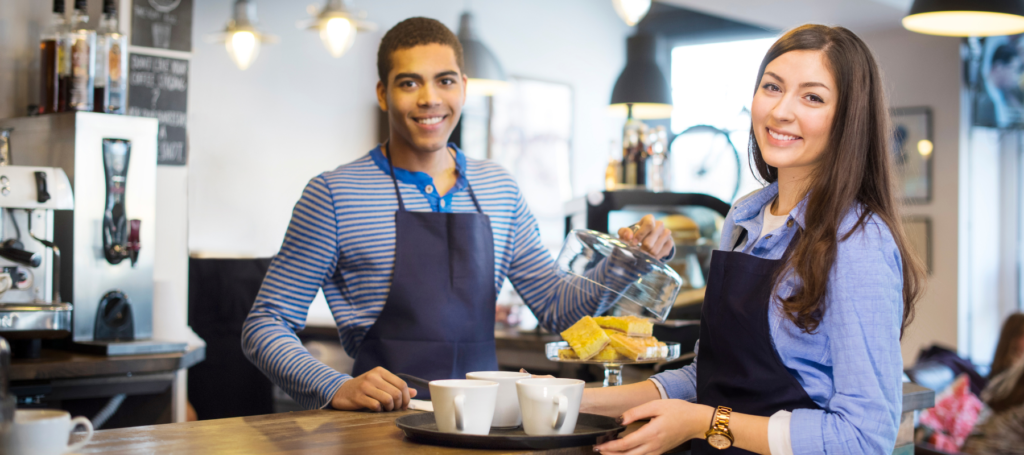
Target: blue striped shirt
[
  {"x": 341, "y": 239},
  {"x": 851, "y": 366}
]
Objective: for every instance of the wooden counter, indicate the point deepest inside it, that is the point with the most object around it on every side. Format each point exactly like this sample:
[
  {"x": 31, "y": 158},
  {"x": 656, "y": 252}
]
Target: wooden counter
[
  {"x": 320, "y": 431},
  {"x": 304, "y": 432},
  {"x": 58, "y": 364}
]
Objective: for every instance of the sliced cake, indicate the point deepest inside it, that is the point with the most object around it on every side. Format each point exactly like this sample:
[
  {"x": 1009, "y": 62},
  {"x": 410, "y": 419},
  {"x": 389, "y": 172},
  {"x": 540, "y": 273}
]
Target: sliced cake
[
  {"x": 628, "y": 347},
  {"x": 586, "y": 338},
  {"x": 629, "y": 325},
  {"x": 607, "y": 354}
]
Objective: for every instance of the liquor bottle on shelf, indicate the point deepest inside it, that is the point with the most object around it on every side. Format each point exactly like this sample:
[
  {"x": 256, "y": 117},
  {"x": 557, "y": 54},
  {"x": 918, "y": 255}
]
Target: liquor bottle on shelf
[
  {"x": 659, "y": 167},
  {"x": 49, "y": 45},
  {"x": 111, "y": 82},
  {"x": 634, "y": 154},
  {"x": 613, "y": 171},
  {"x": 81, "y": 45}
]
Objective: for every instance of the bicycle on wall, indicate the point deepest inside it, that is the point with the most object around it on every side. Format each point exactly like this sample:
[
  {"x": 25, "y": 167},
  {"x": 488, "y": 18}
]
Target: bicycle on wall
[{"x": 704, "y": 160}]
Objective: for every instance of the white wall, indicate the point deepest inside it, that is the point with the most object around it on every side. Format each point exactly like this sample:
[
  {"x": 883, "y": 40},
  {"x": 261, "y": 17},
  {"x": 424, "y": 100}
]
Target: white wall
[
  {"x": 257, "y": 136},
  {"x": 924, "y": 70}
]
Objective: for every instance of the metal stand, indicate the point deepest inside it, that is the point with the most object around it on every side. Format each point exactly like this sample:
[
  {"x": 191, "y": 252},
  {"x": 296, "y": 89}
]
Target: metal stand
[{"x": 612, "y": 374}]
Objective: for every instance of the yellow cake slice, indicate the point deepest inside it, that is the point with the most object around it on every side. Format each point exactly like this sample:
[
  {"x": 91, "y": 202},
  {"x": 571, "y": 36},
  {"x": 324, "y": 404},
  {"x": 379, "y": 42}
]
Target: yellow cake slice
[
  {"x": 634, "y": 348},
  {"x": 586, "y": 338},
  {"x": 630, "y": 325},
  {"x": 607, "y": 354},
  {"x": 567, "y": 354}
]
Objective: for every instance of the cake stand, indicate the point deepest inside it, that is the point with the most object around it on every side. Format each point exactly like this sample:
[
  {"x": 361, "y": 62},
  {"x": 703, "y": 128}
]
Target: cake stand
[{"x": 612, "y": 368}]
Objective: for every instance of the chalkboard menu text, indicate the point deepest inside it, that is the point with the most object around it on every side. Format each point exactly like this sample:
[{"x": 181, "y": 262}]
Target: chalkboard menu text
[
  {"x": 162, "y": 24},
  {"x": 158, "y": 88}
]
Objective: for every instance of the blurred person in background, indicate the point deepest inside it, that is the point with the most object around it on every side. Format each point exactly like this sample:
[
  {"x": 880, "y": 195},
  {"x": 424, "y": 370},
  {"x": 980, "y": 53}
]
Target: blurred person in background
[{"x": 1001, "y": 427}]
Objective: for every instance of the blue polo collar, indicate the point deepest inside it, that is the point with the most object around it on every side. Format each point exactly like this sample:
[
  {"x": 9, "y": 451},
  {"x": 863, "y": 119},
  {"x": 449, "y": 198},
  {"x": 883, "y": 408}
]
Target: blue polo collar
[{"x": 423, "y": 180}]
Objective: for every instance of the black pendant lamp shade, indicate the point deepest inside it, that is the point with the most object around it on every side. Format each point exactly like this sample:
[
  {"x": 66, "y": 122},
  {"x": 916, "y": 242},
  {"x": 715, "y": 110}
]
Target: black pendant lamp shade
[
  {"x": 642, "y": 86},
  {"x": 486, "y": 76},
  {"x": 966, "y": 17}
]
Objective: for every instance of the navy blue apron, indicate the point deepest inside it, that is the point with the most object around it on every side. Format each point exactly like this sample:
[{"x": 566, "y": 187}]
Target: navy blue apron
[
  {"x": 438, "y": 319},
  {"x": 738, "y": 365}
]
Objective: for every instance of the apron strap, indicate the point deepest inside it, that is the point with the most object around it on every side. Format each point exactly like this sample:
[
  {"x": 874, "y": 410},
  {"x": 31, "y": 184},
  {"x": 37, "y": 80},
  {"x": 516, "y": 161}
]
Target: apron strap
[
  {"x": 468, "y": 186},
  {"x": 391, "y": 166},
  {"x": 401, "y": 205},
  {"x": 789, "y": 248}
]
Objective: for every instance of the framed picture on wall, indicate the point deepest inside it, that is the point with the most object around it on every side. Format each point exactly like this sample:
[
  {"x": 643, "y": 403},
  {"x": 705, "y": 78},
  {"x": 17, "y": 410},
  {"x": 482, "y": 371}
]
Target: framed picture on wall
[
  {"x": 531, "y": 136},
  {"x": 919, "y": 234},
  {"x": 912, "y": 147}
]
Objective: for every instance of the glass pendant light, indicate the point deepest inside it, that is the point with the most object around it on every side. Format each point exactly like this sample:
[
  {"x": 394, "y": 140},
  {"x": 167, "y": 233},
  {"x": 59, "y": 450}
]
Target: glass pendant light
[
  {"x": 966, "y": 17},
  {"x": 632, "y": 11},
  {"x": 338, "y": 26},
  {"x": 240, "y": 37},
  {"x": 485, "y": 74}
]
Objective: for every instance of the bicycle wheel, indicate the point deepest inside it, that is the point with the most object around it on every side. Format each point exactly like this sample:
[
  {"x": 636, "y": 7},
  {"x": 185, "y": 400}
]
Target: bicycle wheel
[{"x": 704, "y": 160}]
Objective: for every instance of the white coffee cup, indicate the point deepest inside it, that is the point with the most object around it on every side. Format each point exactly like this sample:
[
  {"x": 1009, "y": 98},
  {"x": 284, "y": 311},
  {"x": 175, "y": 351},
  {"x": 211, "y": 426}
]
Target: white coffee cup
[
  {"x": 549, "y": 405},
  {"x": 42, "y": 432},
  {"x": 463, "y": 405},
  {"x": 506, "y": 408}
]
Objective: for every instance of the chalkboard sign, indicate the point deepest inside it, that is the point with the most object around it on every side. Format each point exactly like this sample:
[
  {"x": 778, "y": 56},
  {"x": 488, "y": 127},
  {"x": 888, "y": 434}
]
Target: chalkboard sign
[
  {"x": 163, "y": 24},
  {"x": 158, "y": 88}
]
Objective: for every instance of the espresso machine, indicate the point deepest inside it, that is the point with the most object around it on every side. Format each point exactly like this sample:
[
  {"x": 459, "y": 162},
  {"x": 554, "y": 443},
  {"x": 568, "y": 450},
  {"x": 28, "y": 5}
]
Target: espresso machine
[
  {"x": 107, "y": 269},
  {"x": 31, "y": 307}
]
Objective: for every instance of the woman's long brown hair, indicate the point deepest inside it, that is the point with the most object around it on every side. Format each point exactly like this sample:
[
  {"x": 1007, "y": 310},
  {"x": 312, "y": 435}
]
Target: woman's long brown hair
[
  {"x": 1006, "y": 349},
  {"x": 856, "y": 167}
]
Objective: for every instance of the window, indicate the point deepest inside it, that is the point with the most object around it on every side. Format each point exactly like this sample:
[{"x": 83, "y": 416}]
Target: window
[{"x": 713, "y": 84}]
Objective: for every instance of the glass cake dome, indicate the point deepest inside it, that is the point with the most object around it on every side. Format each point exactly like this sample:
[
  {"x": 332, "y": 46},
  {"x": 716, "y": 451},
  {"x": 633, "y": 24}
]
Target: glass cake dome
[{"x": 624, "y": 279}]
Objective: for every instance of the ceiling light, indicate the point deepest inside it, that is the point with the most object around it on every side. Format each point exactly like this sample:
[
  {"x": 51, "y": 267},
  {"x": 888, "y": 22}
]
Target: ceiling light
[
  {"x": 338, "y": 25},
  {"x": 632, "y": 11},
  {"x": 641, "y": 91},
  {"x": 485, "y": 74},
  {"x": 966, "y": 17},
  {"x": 240, "y": 37}
]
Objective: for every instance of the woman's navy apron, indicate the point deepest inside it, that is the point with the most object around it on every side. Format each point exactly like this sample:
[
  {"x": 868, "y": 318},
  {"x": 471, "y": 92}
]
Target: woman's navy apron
[
  {"x": 738, "y": 365},
  {"x": 438, "y": 320}
]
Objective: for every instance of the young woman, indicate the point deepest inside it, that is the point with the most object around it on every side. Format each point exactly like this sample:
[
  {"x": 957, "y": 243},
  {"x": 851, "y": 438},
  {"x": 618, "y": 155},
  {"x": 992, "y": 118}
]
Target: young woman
[{"x": 813, "y": 283}]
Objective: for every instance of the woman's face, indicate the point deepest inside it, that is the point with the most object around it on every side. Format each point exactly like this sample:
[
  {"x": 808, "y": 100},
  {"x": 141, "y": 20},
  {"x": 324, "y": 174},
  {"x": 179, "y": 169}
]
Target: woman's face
[{"x": 793, "y": 108}]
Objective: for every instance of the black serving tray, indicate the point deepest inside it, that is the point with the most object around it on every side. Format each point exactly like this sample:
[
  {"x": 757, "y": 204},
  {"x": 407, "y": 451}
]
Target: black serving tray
[{"x": 590, "y": 429}]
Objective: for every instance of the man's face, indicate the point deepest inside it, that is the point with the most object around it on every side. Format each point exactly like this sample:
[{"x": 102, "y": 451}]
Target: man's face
[{"x": 424, "y": 96}]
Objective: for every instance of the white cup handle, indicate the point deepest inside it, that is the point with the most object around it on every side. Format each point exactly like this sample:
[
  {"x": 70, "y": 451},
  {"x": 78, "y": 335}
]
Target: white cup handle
[
  {"x": 75, "y": 422},
  {"x": 459, "y": 402},
  {"x": 563, "y": 408}
]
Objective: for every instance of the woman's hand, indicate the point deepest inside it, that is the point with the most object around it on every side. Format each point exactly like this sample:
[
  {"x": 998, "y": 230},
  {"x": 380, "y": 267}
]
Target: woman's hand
[
  {"x": 673, "y": 422},
  {"x": 651, "y": 236}
]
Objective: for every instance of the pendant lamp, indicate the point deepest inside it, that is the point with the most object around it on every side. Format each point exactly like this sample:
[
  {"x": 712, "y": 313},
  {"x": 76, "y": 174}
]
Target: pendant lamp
[
  {"x": 486, "y": 76},
  {"x": 240, "y": 37},
  {"x": 966, "y": 17},
  {"x": 338, "y": 25},
  {"x": 642, "y": 92},
  {"x": 632, "y": 11}
]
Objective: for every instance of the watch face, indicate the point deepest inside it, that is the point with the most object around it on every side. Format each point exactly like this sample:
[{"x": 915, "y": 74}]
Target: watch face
[{"x": 719, "y": 441}]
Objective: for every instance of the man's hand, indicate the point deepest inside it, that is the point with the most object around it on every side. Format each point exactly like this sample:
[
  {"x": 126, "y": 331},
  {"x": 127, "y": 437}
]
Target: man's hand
[
  {"x": 375, "y": 390},
  {"x": 652, "y": 236}
]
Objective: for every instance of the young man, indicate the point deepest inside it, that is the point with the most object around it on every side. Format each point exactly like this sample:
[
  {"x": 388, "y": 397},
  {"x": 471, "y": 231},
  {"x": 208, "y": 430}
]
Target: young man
[{"x": 410, "y": 245}]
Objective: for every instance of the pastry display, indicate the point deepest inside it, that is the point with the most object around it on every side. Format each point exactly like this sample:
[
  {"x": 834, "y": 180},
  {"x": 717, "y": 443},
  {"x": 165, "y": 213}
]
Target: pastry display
[
  {"x": 611, "y": 339},
  {"x": 586, "y": 338}
]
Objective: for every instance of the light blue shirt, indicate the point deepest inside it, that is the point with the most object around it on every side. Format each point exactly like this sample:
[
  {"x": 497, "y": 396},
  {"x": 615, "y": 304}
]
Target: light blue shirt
[{"x": 851, "y": 366}]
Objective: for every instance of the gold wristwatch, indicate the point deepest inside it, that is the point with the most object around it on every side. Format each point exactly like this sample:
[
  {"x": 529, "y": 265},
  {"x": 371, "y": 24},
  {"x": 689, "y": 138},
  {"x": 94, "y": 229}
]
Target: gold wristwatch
[{"x": 719, "y": 435}]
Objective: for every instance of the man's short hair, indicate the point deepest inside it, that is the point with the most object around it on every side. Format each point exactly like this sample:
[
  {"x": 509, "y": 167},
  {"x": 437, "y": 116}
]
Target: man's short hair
[{"x": 414, "y": 32}]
